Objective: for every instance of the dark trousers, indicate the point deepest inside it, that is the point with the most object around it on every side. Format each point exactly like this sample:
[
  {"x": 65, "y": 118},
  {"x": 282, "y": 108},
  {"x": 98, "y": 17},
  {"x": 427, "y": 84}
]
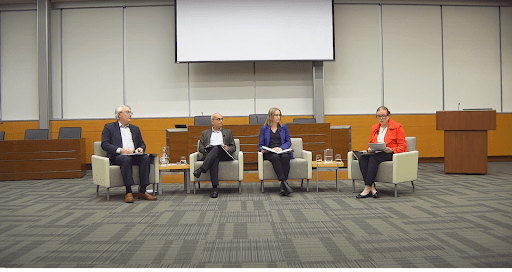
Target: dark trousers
[
  {"x": 370, "y": 163},
  {"x": 211, "y": 162},
  {"x": 126, "y": 162},
  {"x": 280, "y": 162}
]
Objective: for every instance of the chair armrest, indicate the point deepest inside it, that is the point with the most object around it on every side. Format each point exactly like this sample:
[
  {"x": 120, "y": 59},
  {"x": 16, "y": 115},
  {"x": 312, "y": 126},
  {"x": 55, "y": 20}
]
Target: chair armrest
[
  {"x": 156, "y": 162},
  {"x": 260, "y": 165},
  {"x": 349, "y": 164},
  {"x": 192, "y": 160},
  {"x": 405, "y": 166},
  {"x": 240, "y": 165},
  {"x": 308, "y": 156},
  {"x": 100, "y": 170}
]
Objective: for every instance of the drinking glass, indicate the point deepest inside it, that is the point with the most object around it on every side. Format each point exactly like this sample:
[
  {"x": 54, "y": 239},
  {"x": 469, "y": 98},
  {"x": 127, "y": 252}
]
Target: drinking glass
[
  {"x": 328, "y": 155},
  {"x": 318, "y": 158},
  {"x": 183, "y": 160},
  {"x": 164, "y": 159},
  {"x": 338, "y": 158}
]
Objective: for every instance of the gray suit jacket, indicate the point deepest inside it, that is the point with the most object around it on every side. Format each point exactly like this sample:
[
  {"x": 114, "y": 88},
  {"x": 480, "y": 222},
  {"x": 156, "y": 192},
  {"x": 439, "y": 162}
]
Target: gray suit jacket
[{"x": 227, "y": 137}]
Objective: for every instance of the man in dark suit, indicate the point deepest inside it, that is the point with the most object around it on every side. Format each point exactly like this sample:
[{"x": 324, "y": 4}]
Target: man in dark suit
[
  {"x": 210, "y": 138},
  {"x": 120, "y": 139}
]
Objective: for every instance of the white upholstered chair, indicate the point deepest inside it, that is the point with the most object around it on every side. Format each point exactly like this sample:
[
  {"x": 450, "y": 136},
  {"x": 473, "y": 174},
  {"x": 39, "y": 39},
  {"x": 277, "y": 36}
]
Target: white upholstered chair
[
  {"x": 403, "y": 167},
  {"x": 228, "y": 170},
  {"x": 109, "y": 176},
  {"x": 300, "y": 167}
]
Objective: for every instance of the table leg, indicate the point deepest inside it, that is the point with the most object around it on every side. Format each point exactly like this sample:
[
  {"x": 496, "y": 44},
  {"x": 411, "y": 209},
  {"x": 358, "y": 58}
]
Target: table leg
[
  {"x": 160, "y": 185},
  {"x": 337, "y": 188},
  {"x": 186, "y": 180},
  {"x": 317, "y": 179}
]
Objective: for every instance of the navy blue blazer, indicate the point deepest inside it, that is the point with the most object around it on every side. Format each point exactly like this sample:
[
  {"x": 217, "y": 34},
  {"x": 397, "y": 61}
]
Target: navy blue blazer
[
  {"x": 111, "y": 139},
  {"x": 286, "y": 142}
]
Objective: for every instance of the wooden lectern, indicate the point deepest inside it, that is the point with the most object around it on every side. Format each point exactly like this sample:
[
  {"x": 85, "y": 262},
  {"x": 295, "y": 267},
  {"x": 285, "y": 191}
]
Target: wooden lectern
[{"x": 465, "y": 139}]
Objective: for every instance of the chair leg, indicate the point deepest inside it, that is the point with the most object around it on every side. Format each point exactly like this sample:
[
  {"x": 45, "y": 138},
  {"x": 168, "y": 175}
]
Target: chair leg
[
  {"x": 307, "y": 185},
  {"x": 194, "y": 187},
  {"x": 154, "y": 188},
  {"x": 302, "y": 183},
  {"x": 396, "y": 191},
  {"x": 353, "y": 186},
  {"x": 108, "y": 194},
  {"x": 198, "y": 184},
  {"x": 239, "y": 186},
  {"x": 412, "y": 185},
  {"x": 97, "y": 190},
  {"x": 262, "y": 189}
]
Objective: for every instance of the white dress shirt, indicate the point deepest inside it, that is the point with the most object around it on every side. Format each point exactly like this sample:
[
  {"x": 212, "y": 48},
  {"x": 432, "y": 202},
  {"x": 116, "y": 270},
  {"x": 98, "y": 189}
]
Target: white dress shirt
[
  {"x": 126, "y": 136},
  {"x": 216, "y": 138}
]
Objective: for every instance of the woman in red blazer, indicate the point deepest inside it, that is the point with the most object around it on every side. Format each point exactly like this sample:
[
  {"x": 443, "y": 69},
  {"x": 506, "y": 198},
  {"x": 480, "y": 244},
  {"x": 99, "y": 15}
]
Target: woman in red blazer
[{"x": 385, "y": 131}]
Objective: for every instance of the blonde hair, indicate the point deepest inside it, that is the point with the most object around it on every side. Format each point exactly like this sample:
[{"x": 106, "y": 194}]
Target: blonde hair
[{"x": 270, "y": 117}]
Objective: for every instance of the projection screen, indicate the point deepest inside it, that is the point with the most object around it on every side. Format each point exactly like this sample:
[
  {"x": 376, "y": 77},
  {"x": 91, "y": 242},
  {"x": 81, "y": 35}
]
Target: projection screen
[{"x": 254, "y": 30}]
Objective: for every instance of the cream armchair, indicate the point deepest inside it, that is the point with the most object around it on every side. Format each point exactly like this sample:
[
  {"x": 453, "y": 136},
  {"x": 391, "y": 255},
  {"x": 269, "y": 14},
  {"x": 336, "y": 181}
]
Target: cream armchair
[
  {"x": 228, "y": 170},
  {"x": 109, "y": 176},
  {"x": 403, "y": 167},
  {"x": 300, "y": 167}
]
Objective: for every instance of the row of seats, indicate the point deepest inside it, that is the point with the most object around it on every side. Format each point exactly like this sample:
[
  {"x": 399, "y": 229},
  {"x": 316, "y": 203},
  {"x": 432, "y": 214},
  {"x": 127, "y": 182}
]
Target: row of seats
[
  {"x": 403, "y": 167},
  {"x": 44, "y": 134},
  {"x": 76, "y": 132},
  {"x": 254, "y": 119}
]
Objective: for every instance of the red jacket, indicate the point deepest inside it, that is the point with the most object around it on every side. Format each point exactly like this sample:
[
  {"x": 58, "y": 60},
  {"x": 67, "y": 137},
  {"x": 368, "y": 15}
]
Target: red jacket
[{"x": 394, "y": 138}]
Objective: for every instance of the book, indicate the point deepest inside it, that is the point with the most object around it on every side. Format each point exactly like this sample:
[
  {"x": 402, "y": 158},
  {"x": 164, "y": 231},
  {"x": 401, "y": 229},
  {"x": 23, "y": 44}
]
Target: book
[
  {"x": 277, "y": 152},
  {"x": 223, "y": 155}
]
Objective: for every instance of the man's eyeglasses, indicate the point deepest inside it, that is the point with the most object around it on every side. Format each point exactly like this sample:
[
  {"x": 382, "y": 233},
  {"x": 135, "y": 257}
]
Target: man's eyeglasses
[
  {"x": 128, "y": 112},
  {"x": 381, "y": 116},
  {"x": 219, "y": 119}
]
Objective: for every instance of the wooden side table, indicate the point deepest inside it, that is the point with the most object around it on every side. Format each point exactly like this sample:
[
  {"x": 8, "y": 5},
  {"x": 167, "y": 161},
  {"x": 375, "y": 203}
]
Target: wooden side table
[
  {"x": 172, "y": 167},
  {"x": 334, "y": 166}
]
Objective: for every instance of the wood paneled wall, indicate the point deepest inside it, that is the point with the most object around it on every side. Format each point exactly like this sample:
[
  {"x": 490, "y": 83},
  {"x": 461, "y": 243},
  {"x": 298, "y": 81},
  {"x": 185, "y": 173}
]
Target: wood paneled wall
[{"x": 430, "y": 142}]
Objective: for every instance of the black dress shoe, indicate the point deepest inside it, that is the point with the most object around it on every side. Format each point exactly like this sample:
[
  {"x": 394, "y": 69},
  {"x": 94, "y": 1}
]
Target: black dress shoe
[
  {"x": 281, "y": 190},
  {"x": 197, "y": 173},
  {"x": 376, "y": 195},
  {"x": 363, "y": 196},
  {"x": 287, "y": 189},
  {"x": 214, "y": 193}
]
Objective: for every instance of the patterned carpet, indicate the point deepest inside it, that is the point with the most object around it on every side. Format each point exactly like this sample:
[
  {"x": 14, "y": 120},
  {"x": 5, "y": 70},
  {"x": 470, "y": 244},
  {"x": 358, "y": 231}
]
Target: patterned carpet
[{"x": 449, "y": 221}]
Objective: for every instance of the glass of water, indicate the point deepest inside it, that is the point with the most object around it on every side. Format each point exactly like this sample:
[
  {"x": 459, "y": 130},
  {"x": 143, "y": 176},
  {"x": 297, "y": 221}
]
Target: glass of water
[
  {"x": 164, "y": 159},
  {"x": 318, "y": 158},
  {"x": 338, "y": 158},
  {"x": 328, "y": 155},
  {"x": 183, "y": 160}
]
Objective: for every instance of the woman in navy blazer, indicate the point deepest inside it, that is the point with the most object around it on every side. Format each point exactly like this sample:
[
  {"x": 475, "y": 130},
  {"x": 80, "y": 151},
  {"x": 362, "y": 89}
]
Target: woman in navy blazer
[{"x": 274, "y": 134}]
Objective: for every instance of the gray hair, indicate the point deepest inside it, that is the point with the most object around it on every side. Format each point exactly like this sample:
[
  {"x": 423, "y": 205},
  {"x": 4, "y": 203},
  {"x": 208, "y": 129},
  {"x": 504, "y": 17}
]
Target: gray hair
[
  {"x": 120, "y": 109},
  {"x": 214, "y": 115}
]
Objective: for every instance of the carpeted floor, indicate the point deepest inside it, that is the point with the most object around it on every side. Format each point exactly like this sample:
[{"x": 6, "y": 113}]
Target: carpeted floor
[{"x": 449, "y": 221}]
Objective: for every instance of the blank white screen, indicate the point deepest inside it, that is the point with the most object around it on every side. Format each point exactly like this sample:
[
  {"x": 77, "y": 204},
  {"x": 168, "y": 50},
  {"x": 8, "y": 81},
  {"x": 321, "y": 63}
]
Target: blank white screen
[{"x": 257, "y": 30}]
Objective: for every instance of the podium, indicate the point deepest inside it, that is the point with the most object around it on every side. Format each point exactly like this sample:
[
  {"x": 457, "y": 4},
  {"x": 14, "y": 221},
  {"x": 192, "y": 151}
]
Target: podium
[{"x": 465, "y": 139}]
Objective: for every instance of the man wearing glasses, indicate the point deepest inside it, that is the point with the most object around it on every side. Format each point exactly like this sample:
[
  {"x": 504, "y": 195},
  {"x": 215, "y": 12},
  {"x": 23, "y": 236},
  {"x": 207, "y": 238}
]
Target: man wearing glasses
[
  {"x": 120, "y": 140},
  {"x": 210, "y": 138}
]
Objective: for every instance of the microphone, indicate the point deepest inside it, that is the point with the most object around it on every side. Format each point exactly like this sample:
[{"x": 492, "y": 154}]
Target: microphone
[{"x": 458, "y": 106}]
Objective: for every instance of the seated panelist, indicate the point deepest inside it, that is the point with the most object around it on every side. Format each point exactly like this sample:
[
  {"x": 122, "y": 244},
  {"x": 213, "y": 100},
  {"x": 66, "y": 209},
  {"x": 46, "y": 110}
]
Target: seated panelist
[
  {"x": 385, "y": 131},
  {"x": 275, "y": 135},
  {"x": 119, "y": 139},
  {"x": 217, "y": 135}
]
